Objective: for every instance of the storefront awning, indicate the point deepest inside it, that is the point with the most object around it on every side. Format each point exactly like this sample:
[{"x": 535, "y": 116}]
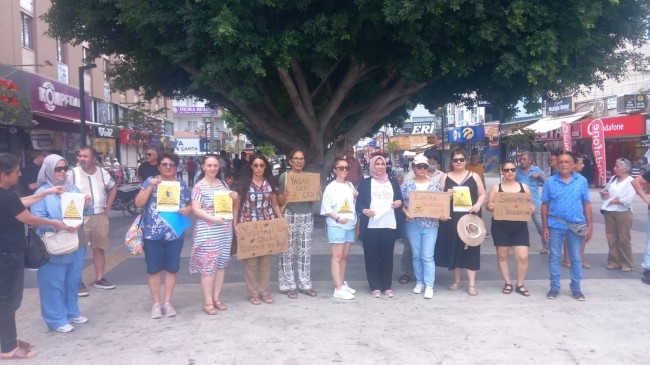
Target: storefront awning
[{"x": 548, "y": 124}]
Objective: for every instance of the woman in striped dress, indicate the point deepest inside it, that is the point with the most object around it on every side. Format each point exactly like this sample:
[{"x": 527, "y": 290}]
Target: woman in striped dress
[{"x": 212, "y": 236}]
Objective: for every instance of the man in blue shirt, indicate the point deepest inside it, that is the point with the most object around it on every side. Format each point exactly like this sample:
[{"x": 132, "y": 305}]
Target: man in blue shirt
[
  {"x": 640, "y": 184},
  {"x": 565, "y": 199},
  {"x": 531, "y": 175}
]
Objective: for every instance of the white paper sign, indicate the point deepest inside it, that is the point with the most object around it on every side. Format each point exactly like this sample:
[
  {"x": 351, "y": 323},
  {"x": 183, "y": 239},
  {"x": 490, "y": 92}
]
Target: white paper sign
[{"x": 72, "y": 208}]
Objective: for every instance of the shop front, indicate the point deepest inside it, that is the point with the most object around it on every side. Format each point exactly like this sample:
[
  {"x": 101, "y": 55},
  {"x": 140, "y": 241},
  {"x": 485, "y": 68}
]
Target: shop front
[{"x": 105, "y": 142}]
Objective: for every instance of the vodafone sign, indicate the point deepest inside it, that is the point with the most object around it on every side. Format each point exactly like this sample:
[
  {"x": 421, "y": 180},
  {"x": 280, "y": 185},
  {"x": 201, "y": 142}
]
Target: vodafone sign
[{"x": 631, "y": 125}]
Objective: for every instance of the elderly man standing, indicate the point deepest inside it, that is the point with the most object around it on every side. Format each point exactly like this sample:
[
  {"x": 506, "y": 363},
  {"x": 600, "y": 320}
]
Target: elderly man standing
[
  {"x": 565, "y": 201},
  {"x": 356, "y": 173},
  {"x": 640, "y": 184},
  {"x": 150, "y": 166},
  {"x": 531, "y": 175},
  {"x": 96, "y": 182}
]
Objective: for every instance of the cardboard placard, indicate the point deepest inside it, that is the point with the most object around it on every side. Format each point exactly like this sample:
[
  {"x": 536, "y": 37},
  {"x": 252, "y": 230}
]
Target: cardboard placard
[
  {"x": 261, "y": 238},
  {"x": 513, "y": 206},
  {"x": 168, "y": 196},
  {"x": 303, "y": 187},
  {"x": 223, "y": 204},
  {"x": 429, "y": 204}
]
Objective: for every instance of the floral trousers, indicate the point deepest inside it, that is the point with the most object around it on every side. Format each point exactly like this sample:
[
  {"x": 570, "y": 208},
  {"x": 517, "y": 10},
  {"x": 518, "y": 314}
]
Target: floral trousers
[{"x": 301, "y": 227}]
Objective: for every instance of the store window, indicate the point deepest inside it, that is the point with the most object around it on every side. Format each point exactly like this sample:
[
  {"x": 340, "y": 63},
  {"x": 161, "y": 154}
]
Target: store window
[{"x": 26, "y": 30}]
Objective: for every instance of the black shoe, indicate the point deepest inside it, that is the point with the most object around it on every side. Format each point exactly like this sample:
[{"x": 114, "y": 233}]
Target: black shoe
[
  {"x": 645, "y": 278},
  {"x": 552, "y": 294},
  {"x": 577, "y": 295}
]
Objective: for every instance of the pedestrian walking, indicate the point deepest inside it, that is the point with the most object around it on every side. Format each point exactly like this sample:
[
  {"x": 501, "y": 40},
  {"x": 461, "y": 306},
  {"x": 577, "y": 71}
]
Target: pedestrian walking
[
  {"x": 532, "y": 176},
  {"x": 190, "y": 166},
  {"x": 149, "y": 167}
]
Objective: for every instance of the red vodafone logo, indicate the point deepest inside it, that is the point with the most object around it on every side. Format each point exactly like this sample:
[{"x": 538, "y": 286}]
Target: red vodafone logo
[{"x": 631, "y": 125}]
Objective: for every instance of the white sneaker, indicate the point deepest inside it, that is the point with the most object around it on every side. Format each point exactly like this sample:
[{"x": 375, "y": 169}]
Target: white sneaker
[
  {"x": 347, "y": 288},
  {"x": 78, "y": 320},
  {"x": 418, "y": 288},
  {"x": 65, "y": 328},
  {"x": 343, "y": 294},
  {"x": 428, "y": 292}
]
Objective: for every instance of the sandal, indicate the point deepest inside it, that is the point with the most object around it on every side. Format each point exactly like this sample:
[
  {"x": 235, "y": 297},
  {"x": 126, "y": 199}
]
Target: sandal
[
  {"x": 404, "y": 279},
  {"x": 209, "y": 309},
  {"x": 454, "y": 286},
  {"x": 292, "y": 294},
  {"x": 566, "y": 264},
  {"x": 220, "y": 305},
  {"x": 255, "y": 300},
  {"x": 24, "y": 344},
  {"x": 308, "y": 292},
  {"x": 267, "y": 299},
  {"x": 521, "y": 290},
  {"x": 19, "y": 353},
  {"x": 472, "y": 291},
  {"x": 585, "y": 265},
  {"x": 507, "y": 289}
]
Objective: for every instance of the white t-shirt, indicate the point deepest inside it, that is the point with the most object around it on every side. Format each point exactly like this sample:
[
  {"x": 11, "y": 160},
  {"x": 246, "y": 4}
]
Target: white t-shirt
[
  {"x": 381, "y": 197},
  {"x": 93, "y": 185},
  {"x": 338, "y": 198}
]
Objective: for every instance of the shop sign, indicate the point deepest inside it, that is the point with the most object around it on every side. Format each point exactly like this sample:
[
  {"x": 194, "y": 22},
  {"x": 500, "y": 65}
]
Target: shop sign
[
  {"x": 105, "y": 132},
  {"x": 188, "y": 145},
  {"x": 632, "y": 125},
  {"x": 491, "y": 131},
  {"x": 191, "y": 110},
  {"x": 627, "y": 103},
  {"x": 560, "y": 106},
  {"x": 466, "y": 134},
  {"x": 54, "y": 140},
  {"x": 611, "y": 102},
  {"x": 556, "y": 134},
  {"x": 53, "y": 97},
  {"x": 134, "y": 138},
  {"x": 595, "y": 129},
  {"x": 566, "y": 137}
]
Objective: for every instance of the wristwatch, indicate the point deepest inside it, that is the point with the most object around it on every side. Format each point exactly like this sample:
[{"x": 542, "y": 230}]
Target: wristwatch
[{"x": 337, "y": 219}]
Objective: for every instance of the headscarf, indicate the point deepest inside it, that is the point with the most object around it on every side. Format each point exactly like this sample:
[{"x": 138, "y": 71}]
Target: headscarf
[
  {"x": 46, "y": 173},
  {"x": 373, "y": 172}
]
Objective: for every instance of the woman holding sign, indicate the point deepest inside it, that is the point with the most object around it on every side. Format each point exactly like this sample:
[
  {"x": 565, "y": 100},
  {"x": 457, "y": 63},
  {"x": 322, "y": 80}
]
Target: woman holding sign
[
  {"x": 422, "y": 232},
  {"x": 58, "y": 280},
  {"x": 507, "y": 234},
  {"x": 338, "y": 207},
  {"x": 451, "y": 251},
  {"x": 257, "y": 200},
  {"x": 379, "y": 203},
  {"x": 301, "y": 227},
  {"x": 212, "y": 238},
  {"x": 166, "y": 201}
]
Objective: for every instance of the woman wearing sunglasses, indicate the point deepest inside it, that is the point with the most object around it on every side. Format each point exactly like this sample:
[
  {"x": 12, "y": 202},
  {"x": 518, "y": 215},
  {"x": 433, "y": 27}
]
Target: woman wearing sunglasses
[
  {"x": 338, "y": 206},
  {"x": 421, "y": 232},
  {"x": 301, "y": 226},
  {"x": 378, "y": 204},
  {"x": 257, "y": 200},
  {"x": 58, "y": 280},
  {"x": 163, "y": 234},
  {"x": 510, "y": 234},
  {"x": 450, "y": 249}
]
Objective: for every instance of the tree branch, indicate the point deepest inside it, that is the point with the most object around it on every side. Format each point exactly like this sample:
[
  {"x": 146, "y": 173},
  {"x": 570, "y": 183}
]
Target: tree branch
[
  {"x": 267, "y": 101},
  {"x": 303, "y": 88},
  {"x": 324, "y": 80},
  {"x": 309, "y": 123}
]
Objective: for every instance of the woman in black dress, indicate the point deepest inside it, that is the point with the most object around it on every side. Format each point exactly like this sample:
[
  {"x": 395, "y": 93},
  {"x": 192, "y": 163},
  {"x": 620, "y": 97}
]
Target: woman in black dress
[{"x": 451, "y": 252}]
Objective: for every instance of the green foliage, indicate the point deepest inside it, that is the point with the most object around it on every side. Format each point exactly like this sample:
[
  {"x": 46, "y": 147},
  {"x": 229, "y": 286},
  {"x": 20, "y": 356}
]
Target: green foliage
[
  {"x": 141, "y": 126},
  {"x": 267, "y": 149}
]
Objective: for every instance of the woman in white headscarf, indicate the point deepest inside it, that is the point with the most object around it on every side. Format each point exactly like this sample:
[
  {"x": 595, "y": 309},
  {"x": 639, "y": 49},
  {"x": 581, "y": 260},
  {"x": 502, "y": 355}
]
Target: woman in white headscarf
[
  {"x": 378, "y": 204},
  {"x": 58, "y": 280}
]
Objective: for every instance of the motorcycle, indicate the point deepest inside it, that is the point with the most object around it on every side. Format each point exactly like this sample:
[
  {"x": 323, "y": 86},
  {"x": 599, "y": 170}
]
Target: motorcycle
[{"x": 125, "y": 199}]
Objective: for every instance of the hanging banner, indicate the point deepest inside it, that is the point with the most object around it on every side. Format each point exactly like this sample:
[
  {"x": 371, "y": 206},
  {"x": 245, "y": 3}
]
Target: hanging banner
[
  {"x": 597, "y": 133},
  {"x": 566, "y": 137}
]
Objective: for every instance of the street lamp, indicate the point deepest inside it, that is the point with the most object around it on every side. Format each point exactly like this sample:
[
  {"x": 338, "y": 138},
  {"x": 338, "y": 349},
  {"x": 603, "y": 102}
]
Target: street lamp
[{"x": 82, "y": 99}]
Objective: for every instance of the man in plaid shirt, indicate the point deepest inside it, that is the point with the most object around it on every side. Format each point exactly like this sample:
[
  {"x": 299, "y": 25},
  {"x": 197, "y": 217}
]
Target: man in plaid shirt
[{"x": 356, "y": 174}]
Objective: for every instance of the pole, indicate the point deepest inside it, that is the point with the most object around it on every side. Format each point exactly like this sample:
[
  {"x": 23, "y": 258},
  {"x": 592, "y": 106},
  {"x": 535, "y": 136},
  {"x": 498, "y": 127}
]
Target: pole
[
  {"x": 82, "y": 99},
  {"x": 212, "y": 140}
]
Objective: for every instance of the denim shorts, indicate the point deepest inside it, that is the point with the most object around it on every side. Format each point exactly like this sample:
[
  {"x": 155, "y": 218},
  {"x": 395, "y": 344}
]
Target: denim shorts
[
  {"x": 163, "y": 255},
  {"x": 340, "y": 235}
]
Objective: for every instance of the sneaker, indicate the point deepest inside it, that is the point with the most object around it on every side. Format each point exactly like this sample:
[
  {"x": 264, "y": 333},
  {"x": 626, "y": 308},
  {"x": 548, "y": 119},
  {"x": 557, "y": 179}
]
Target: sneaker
[
  {"x": 552, "y": 294},
  {"x": 544, "y": 251},
  {"x": 169, "y": 310},
  {"x": 65, "y": 328},
  {"x": 347, "y": 288},
  {"x": 428, "y": 292},
  {"x": 103, "y": 284},
  {"x": 645, "y": 278},
  {"x": 343, "y": 294},
  {"x": 78, "y": 320},
  {"x": 577, "y": 295},
  {"x": 376, "y": 294},
  {"x": 156, "y": 311},
  {"x": 418, "y": 288},
  {"x": 389, "y": 293},
  {"x": 83, "y": 291}
]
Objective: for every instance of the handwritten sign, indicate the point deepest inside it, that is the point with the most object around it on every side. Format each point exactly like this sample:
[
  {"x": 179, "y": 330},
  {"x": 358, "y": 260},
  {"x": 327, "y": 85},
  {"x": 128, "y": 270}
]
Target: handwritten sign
[
  {"x": 462, "y": 199},
  {"x": 168, "y": 196},
  {"x": 428, "y": 204},
  {"x": 223, "y": 204},
  {"x": 513, "y": 206},
  {"x": 303, "y": 187},
  {"x": 72, "y": 208},
  {"x": 261, "y": 238}
]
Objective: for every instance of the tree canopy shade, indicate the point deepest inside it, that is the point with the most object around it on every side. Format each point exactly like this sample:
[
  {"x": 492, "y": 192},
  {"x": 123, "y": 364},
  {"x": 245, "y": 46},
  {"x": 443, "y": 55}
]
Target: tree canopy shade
[{"x": 306, "y": 73}]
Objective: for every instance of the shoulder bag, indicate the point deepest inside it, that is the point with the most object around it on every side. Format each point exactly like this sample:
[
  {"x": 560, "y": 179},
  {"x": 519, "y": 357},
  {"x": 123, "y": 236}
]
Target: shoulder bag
[
  {"x": 61, "y": 242},
  {"x": 36, "y": 254}
]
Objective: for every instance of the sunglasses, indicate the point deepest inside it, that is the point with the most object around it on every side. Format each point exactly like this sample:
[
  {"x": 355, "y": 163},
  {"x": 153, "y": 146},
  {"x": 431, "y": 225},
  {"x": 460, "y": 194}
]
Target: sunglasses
[
  {"x": 259, "y": 166},
  {"x": 343, "y": 168},
  {"x": 510, "y": 170},
  {"x": 457, "y": 160},
  {"x": 168, "y": 164},
  {"x": 422, "y": 166},
  {"x": 298, "y": 159},
  {"x": 60, "y": 168}
]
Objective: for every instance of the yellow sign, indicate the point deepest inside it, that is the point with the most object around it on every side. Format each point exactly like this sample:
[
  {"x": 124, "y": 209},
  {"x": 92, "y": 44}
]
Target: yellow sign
[
  {"x": 462, "y": 199},
  {"x": 468, "y": 133},
  {"x": 168, "y": 196},
  {"x": 71, "y": 212},
  {"x": 223, "y": 204}
]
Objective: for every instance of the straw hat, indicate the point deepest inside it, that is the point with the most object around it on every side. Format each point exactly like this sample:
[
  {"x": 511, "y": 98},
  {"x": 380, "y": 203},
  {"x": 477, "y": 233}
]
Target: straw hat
[{"x": 471, "y": 229}]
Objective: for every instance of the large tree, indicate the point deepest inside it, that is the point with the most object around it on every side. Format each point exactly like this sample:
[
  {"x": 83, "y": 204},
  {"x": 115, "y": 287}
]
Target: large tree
[{"x": 320, "y": 74}]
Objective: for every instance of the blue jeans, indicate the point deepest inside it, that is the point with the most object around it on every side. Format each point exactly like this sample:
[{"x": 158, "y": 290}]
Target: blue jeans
[
  {"x": 646, "y": 254},
  {"x": 423, "y": 244},
  {"x": 574, "y": 243}
]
